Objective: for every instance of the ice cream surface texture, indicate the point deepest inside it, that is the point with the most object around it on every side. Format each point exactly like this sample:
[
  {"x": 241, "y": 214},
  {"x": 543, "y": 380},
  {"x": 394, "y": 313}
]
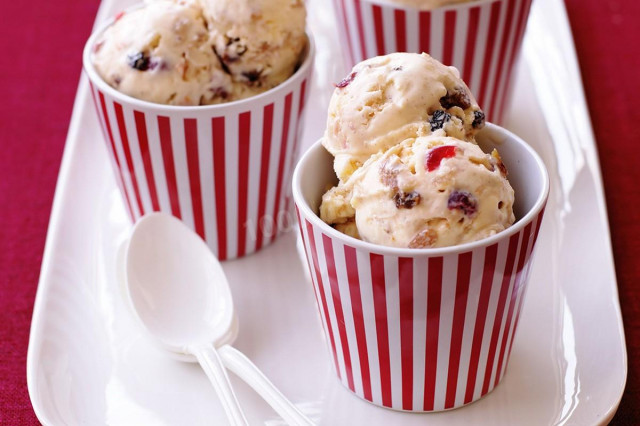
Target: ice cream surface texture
[
  {"x": 257, "y": 41},
  {"x": 200, "y": 52},
  {"x": 387, "y": 99},
  {"x": 431, "y": 191}
]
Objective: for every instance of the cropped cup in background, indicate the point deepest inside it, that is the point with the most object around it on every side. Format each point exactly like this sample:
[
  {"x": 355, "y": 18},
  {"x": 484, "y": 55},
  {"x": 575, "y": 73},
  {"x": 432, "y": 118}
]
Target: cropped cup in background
[
  {"x": 481, "y": 38},
  {"x": 224, "y": 170},
  {"x": 422, "y": 329}
]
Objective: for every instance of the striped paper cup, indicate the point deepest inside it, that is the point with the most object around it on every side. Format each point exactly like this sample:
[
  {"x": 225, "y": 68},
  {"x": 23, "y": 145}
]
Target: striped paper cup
[
  {"x": 481, "y": 38},
  {"x": 225, "y": 170},
  {"x": 422, "y": 329}
]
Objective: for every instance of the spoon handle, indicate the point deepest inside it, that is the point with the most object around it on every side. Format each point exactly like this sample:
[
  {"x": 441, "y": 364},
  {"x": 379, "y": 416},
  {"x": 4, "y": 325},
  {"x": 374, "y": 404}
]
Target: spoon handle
[
  {"x": 242, "y": 366},
  {"x": 211, "y": 363}
]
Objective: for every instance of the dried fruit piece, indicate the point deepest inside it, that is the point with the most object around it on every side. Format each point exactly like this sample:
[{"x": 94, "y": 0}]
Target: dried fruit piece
[
  {"x": 138, "y": 61},
  {"x": 478, "y": 119},
  {"x": 424, "y": 239},
  {"x": 438, "y": 119},
  {"x": 498, "y": 160},
  {"x": 456, "y": 97},
  {"x": 406, "y": 200},
  {"x": 389, "y": 175},
  {"x": 464, "y": 201},
  {"x": 437, "y": 154},
  {"x": 346, "y": 81}
]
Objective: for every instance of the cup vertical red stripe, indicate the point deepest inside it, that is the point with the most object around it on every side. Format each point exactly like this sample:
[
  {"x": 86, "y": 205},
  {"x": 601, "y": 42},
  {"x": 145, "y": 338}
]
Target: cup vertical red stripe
[
  {"x": 399, "y": 16},
  {"x": 358, "y": 318},
  {"x": 267, "y": 129},
  {"x": 515, "y": 324},
  {"x": 363, "y": 45},
  {"x": 191, "y": 142},
  {"x": 434, "y": 295},
  {"x": 296, "y": 141},
  {"x": 516, "y": 289},
  {"x": 405, "y": 277},
  {"x": 127, "y": 154},
  {"x": 457, "y": 329},
  {"x": 382, "y": 327},
  {"x": 449, "y": 36},
  {"x": 112, "y": 145},
  {"x": 425, "y": 30},
  {"x": 143, "y": 141},
  {"x": 379, "y": 29},
  {"x": 470, "y": 48},
  {"x": 345, "y": 22},
  {"x": 244, "y": 142},
  {"x": 515, "y": 47},
  {"x": 218, "y": 142},
  {"x": 337, "y": 307},
  {"x": 283, "y": 153},
  {"x": 490, "y": 256},
  {"x": 506, "y": 36},
  {"x": 323, "y": 299},
  {"x": 502, "y": 298},
  {"x": 489, "y": 48},
  {"x": 164, "y": 130}
]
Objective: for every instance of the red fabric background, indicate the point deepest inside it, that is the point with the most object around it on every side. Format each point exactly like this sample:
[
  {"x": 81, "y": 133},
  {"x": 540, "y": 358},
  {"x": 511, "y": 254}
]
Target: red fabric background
[{"x": 41, "y": 45}]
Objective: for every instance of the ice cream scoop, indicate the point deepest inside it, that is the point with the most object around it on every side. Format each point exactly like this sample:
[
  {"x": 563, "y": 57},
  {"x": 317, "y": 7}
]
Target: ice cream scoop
[
  {"x": 258, "y": 42},
  {"x": 161, "y": 53},
  {"x": 387, "y": 99},
  {"x": 431, "y": 191}
]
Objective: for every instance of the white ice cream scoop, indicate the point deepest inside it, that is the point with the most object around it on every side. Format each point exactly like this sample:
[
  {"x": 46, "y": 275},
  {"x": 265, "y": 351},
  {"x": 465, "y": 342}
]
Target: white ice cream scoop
[{"x": 178, "y": 290}]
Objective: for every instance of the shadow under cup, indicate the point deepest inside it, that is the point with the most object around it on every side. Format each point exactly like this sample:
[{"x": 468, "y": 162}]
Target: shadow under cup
[
  {"x": 224, "y": 170},
  {"x": 422, "y": 329}
]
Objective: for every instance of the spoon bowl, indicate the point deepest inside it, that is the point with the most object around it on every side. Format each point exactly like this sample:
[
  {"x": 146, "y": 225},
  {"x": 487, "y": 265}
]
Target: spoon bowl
[
  {"x": 178, "y": 291},
  {"x": 177, "y": 287}
]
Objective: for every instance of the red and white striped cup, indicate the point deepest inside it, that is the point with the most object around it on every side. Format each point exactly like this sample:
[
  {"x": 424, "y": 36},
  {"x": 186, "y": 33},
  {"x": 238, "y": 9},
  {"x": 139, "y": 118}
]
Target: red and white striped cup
[
  {"x": 481, "y": 38},
  {"x": 422, "y": 329},
  {"x": 224, "y": 170}
]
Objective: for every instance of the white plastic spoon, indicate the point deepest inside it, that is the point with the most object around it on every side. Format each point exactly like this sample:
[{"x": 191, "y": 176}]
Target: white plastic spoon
[{"x": 179, "y": 291}]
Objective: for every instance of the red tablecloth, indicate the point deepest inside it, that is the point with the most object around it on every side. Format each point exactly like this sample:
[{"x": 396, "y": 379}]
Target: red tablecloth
[{"x": 41, "y": 45}]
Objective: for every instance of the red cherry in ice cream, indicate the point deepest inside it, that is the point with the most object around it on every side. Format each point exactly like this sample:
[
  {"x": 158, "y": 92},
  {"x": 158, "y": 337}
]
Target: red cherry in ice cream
[{"x": 437, "y": 154}]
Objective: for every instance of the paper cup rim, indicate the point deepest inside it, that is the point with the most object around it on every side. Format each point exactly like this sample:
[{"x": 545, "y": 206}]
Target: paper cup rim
[
  {"x": 95, "y": 78},
  {"x": 457, "y": 6},
  {"x": 520, "y": 224}
]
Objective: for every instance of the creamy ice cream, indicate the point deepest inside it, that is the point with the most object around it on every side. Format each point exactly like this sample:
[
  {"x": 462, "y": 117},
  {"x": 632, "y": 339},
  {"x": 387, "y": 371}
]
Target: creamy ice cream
[
  {"x": 387, "y": 99},
  {"x": 259, "y": 42},
  {"x": 432, "y": 191},
  {"x": 200, "y": 52},
  {"x": 429, "y": 4}
]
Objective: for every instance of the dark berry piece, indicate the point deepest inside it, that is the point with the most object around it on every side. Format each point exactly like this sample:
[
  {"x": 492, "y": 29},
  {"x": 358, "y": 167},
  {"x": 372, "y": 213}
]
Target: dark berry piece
[
  {"x": 456, "y": 97},
  {"x": 464, "y": 201},
  {"x": 438, "y": 119},
  {"x": 406, "y": 200},
  {"x": 347, "y": 80},
  {"x": 138, "y": 61},
  {"x": 437, "y": 154},
  {"x": 252, "y": 76},
  {"x": 478, "y": 119},
  {"x": 398, "y": 68}
]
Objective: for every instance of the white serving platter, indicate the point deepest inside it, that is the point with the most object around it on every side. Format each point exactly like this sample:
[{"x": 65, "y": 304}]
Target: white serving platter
[{"x": 90, "y": 363}]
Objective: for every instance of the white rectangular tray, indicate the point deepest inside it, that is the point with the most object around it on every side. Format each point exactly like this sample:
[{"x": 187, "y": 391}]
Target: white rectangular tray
[{"x": 89, "y": 363}]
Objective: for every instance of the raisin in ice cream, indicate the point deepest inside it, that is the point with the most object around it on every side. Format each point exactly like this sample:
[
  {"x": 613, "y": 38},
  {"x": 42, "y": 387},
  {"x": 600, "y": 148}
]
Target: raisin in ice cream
[
  {"x": 431, "y": 191},
  {"x": 201, "y": 52},
  {"x": 387, "y": 99}
]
